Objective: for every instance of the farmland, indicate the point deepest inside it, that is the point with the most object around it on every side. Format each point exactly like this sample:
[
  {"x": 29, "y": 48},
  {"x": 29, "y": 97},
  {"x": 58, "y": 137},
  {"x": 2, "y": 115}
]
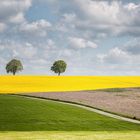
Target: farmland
[
  {"x": 47, "y": 119},
  {"x": 122, "y": 101},
  {"x": 29, "y": 84},
  {"x": 23, "y": 118}
]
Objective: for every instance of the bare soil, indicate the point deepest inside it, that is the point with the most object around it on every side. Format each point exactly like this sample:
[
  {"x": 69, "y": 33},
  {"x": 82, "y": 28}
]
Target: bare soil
[{"x": 124, "y": 102}]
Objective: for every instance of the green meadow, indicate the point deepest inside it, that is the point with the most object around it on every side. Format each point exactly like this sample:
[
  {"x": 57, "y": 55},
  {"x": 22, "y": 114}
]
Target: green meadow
[{"x": 45, "y": 119}]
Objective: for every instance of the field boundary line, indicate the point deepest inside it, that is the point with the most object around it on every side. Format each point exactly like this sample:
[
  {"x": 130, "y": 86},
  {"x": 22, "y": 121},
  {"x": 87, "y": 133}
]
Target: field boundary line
[{"x": 89, "y": 108}]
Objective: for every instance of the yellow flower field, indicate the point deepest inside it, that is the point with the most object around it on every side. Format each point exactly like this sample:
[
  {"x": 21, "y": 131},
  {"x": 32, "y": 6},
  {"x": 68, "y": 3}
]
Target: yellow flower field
[{"x": 20, "y": 84}]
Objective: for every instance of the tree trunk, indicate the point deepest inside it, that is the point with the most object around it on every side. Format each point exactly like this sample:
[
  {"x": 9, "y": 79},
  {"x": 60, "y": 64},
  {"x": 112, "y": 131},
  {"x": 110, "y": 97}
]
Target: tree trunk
[{"x": 59, "y": 74}]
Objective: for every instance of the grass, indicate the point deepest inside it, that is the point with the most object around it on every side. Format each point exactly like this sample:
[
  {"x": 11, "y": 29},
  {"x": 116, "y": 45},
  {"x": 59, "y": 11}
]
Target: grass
[
  {"x": 20, "y": 84},
  {"x": 65, "y": 135},
  {"x": 24, "y": 114},
  {"x": 52, "y": 120}
]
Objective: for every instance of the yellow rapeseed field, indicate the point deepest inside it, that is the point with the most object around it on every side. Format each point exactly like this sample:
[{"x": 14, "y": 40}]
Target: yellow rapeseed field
[{"x": 22, "y": 84}]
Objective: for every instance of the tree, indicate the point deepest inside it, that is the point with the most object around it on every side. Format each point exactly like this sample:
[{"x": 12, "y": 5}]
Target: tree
[
  {"x": 14, "y": 66},
  {"x": 59, "y": 66}
]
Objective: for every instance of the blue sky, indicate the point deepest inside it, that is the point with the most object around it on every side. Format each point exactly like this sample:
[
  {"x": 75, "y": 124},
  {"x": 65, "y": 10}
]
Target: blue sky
[{"x": 94, "y": 37}]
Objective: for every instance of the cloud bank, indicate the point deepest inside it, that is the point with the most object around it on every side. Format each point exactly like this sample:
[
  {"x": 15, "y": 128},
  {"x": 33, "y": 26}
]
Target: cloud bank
[{"x": 93, "y": 37}]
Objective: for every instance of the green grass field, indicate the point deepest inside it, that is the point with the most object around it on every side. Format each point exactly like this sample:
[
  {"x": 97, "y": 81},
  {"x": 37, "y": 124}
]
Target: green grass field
[{"x": 51, "y": 120}]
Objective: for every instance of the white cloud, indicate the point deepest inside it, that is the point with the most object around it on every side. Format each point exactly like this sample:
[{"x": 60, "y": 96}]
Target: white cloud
[
  {"x": 29, "y": 51},
  {"x": 26, "y": 51},
  {"x": 18, "y": 49},
  {"x": 76, "y": 27},
  {"x": 100, "y": 11},
  {"x": 118, "y": 61},
  {"x": 108, "y": 12},
  {"x": 67, "y": 22},
  {"x": 97, "y": 19},
  {"x": 131, "y": 6},
  {"x": 77, "y": 42},
  {"x": 115, "y": 56},
  {"x": 50, "y": 44},
  {"x": 13, "y": 10},
  {"x": 2, "y": 27},
  {"x": 112, "y": 17},
  {"x": 39, "y": 61},
  {"x": 132, "y": 47},
  {"x": 36, "y": 28},
  {"x": 69, "y": 17},
  {"x": 17, "y": 19}
]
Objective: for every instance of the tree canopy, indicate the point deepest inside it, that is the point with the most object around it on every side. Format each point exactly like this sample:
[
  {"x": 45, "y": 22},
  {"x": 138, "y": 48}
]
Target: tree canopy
[
  {"x": 59, "y": 67},
  {"x": 14, "y": 66}
]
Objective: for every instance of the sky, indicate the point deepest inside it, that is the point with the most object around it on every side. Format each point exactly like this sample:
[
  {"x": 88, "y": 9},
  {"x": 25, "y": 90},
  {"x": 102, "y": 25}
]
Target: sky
[{"x": 94, "y": 37}]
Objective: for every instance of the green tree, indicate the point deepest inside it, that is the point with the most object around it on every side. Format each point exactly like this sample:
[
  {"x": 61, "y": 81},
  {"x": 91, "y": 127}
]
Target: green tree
[
  {"x": 59, "y": 67},
  {"x": 14, "y": 66}
]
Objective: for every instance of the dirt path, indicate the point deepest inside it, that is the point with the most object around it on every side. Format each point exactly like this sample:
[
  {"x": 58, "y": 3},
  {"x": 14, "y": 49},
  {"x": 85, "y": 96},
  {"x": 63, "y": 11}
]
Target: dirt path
[
  {"x": 90, "y": 109},
  {"x": 123, "y": 102}
]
